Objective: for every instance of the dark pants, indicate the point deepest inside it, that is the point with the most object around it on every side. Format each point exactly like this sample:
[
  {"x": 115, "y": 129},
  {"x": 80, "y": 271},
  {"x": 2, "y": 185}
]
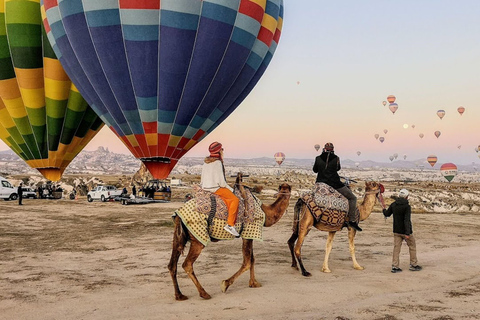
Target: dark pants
[
  {"x": 352, "y": 202},
  {"x": 20, "y": 199}
]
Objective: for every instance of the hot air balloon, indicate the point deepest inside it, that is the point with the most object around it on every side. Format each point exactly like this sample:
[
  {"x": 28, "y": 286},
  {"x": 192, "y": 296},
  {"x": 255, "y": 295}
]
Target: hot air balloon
[
  {"x": 405, "y": 126},
  {"x": 449, "y": 171},
  {"x": 395, "y": 155},
  {"x": 298, "y": 82},
  {"x": 381, "y": 139},
  {"x": 391, "y": 158},
  {"x": 164, "y": 74},
  {"x": 384, "y": 103},
  {"x": 391, "y": 98},
  {"x": 279, "y": 157},
  {"x": 413, "y": 126},
  {"x": 421, "y": 135},
  {"x": 459, "y": 146},
  {"x": 358, "y": 153},
  {"x": 357, "y": 164},
  {"x": 393, "y": 107},
  {"x": 432, "y": 159},
  {"x": 404, "y": 157},
  {"x": 437, "y": 133},
  {"x": 385, "y": 131},
  {"x": 43, "y": 117},
  {"x": 376, "y": 136},
  {"x": 441, "y": 113},
  {"x": 476, "y": 149},
  {"x": 461, "y": 110},
  {"x": 317, "y": 147}
]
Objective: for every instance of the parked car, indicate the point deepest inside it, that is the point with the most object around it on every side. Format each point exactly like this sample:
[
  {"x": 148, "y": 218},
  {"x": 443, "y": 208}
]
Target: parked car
[
  {"x": 7, "y": 190},
  {"x": 28, "y": 193},
  {"x": 103, "y": 193}
]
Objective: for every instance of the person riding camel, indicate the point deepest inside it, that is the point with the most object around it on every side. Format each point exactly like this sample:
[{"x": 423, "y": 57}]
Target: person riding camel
[
  {"x": 327, "y": 166},
  {"x": 213, "y": 180}
]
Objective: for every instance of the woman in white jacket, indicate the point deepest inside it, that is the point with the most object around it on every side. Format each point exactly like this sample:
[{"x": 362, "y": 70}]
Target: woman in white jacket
[{"x": 213, "y": 180}]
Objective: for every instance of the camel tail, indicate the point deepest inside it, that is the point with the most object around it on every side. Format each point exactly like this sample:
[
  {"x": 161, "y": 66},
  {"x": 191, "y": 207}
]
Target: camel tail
[{"x": 296, "y": 215}]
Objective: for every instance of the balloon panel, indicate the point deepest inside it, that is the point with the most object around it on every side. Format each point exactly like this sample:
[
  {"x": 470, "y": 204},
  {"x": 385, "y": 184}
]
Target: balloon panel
[
  {"x": 43, "y": 117},
  {"x": 163, "y": 75}
]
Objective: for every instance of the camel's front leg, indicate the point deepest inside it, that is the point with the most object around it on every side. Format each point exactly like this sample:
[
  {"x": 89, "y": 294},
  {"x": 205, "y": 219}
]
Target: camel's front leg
[
  {"x": 195, "y": 250},
  {"x": 179, "y": 241},
  {"x": 351, "y": 244},
  {"x": 247, "y": 250},
  {"x": 328, "y": 249}
]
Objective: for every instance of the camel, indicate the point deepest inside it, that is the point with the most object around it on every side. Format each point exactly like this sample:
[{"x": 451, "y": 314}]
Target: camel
[
  {"x": 181, "y": 236},
  {"x": 304, "y": 221}
]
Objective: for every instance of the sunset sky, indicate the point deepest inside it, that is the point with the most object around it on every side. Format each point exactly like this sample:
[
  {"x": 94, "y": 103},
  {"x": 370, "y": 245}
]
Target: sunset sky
[{"x": 335, "y": 64}]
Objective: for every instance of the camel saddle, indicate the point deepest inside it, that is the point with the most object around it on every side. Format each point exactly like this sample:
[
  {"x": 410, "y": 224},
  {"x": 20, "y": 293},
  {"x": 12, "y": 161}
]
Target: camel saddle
[{"x": 327, "y": 205}]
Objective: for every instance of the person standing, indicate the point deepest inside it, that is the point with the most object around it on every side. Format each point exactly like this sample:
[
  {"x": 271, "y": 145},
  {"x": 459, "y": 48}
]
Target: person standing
[
  {"x": 327, "y": 166},
  {"x": 402, "y": 230},
  {"x": 20, "y": 193},
  {"x": 213, "y": 180},
  {"x": 134, "y": 191}
]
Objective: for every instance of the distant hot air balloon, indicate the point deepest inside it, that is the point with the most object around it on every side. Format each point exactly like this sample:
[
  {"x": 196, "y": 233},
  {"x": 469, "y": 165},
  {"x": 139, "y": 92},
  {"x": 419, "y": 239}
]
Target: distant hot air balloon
[
  {"x": 461, "y": 110},
  {"x": 393, "y": 107},
  {"x": 405, "y": 126},
  {"x": 413, "y": 126},
  {"x": 164, "y": 74},
  {"x": 459, "y": 146},
  {"x": 317, "y": 147},
  {"x": 381, "y": 139},
  {"x": 432, "y": 159},
  {"x": 391, "y": 98},
  {"x": 437, "y": 133},
  {"x": 391, "y": 158},
  {"x": 449, "y": 171},
  {"x": 298, "y": 82},
  {"x": 421, "y": 135},
  {"x": 404, "y": 157},
  {"x": 476, "y": 149},
  {"x": 385, "y": 131},
  {"x": 357, "y": 164},
  {"x": 441, "y": 113},
  {"x": 358, "y": 153},
  {"x": 376, "y": 136},
  {"x": 384, "y": 103},
  {"x": 279, "y": 157},
  {"x": 43, "y": 117},
  {"x": 395, "y": 155}
]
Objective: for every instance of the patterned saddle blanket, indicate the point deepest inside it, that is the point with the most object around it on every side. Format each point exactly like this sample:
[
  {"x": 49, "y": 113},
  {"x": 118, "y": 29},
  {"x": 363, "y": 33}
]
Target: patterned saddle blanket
[
  {"x": 327, "y": 205},
  {"x": 205, "y": 217}
]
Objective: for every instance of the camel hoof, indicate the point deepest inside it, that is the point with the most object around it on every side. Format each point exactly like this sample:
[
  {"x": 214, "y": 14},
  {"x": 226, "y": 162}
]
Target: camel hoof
[
  {"x": 306, "y": 274},
  {"x": 326, "y": 270},
  {"x": 255, "y": 284},
  {"x": 358, "y": 268},
  {"x": 225, "y": 286},
  {"x": 181, "y": 297},
  {"x": 205, "y": 296}
]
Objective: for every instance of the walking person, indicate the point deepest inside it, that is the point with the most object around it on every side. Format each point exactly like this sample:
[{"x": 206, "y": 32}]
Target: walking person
[
  {"x": 20, "y": 193},
  {"x": 327, "y": 166},
  {"x": 402, "y": 230}
]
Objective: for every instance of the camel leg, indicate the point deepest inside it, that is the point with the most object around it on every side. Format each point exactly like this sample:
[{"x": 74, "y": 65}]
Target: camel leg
[
  {"x": 291, "y": 245},
  {"x": 179, "y": 241},
  {"x": 248, "y": 261},
  {"x": 304, "y": 227},
  {"x": 195, "y": 249},
  {"x": 328, "y": 249},
  {"x": 351, "y": 244}
]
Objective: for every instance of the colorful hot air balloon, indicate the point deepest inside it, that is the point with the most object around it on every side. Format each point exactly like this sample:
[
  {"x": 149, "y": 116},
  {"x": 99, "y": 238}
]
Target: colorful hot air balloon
[
  {"x": 43, "y": 117},
  {"x": 393, "y": 107},
  {"x": 421, "y": 135},
  {"x": 461, "y": 110},
  {"x": 279, "y": 157},
  {"x": 437, "y": 133},
  {"x": 164, "y": 74},
  {"x": 358, "y": 153},
  {"x": 449, "y": 171},
  {"x": 317, "y": 147},
  {"x": 381, "y": 139},
  {"x": 376, "y": 135},
  {"x": 384, "y": 103},
  {"x": 385, "y": 131},
  {"x": 391, "y": 98},
  {"x": 441, "y": 113},
  {"x": 432, "y": 159}
]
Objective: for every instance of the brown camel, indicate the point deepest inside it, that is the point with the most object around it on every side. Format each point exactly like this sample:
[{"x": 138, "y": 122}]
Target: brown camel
[
  {"x": 181, "y": 236},
  {"x": 304, "y": 221}
]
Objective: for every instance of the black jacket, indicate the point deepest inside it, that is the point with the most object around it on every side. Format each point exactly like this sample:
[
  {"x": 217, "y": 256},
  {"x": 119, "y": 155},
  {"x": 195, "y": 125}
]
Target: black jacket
[
  {"x": 402, "y": 212},
  {"x": 327, "y": 166}
]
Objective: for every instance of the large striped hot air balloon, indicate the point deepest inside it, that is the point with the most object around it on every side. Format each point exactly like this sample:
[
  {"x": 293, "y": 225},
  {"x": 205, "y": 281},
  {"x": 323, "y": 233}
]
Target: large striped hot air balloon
[
  {"x": 279, "y": 157},
  {"x": 164, "y": 74},
  {"x": 43, "y": 117},
  {"x": 432, "y": 159},
  {"x": 449, "y": 171}
]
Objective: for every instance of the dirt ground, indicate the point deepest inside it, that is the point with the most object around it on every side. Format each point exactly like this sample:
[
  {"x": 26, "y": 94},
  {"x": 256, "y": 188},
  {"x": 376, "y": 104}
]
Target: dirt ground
[{"x": 64, "y": 259}]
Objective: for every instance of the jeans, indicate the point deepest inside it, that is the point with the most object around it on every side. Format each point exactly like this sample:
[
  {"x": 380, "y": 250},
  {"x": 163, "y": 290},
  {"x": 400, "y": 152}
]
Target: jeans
[{"x": 352, "y": 202}]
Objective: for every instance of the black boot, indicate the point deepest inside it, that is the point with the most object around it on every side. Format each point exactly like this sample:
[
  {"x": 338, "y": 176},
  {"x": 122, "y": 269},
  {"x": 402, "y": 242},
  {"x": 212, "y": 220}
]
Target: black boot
[{"x": 354, "y": 225}]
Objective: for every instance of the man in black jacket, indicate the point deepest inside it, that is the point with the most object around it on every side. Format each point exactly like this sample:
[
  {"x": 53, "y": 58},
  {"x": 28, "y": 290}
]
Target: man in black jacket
[
  {"x": 327, "y": 166},
  {"x": 402, "y": 230}
]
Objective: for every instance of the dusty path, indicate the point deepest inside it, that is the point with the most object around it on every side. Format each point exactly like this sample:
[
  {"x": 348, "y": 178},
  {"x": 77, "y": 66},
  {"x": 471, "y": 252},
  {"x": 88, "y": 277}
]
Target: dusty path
[{"x": 78, "y": 260}]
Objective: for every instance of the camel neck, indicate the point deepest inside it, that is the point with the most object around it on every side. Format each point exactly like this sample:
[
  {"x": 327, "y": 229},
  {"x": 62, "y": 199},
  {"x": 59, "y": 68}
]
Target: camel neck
[{"x": 275, "y": 211}]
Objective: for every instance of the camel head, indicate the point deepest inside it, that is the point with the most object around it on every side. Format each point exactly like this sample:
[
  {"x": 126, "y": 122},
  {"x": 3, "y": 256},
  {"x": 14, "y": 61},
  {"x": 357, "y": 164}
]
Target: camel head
[
  {"x": 285, "y": 189},
  {"x": 373, "y": 187}
]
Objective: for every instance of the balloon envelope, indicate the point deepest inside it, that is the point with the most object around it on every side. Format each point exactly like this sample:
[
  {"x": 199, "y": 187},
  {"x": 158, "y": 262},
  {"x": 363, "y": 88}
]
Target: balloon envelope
[
  {"x": 43, "y": 117},
  {"x": 376, "y": 135},
  {"x": 164, "y": 74},
  {"x": 317, "y": 147},
  {"x": 385, "y": 131},
  {"x": 381, "y": 139},
  {"x": 437, "y": 133},
  {"x": 461, "y": 110},
  {"x": 441, "y": 113},
  {"x": 421, "y": 135},
  {"x": 449, "y": 171},
  {"x": 279, "y": 157},
  {"x": 432, "y": 159},
  {"x": 391, "y": 158},
  {"x": 358, "y": 153},
  {"x": 393, "y": 107},
  {"x": 384, "y": 103},
  {"x": 391, "y": 98}
]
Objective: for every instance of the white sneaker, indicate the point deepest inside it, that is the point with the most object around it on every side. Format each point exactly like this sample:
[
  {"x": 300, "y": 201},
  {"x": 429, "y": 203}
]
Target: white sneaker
[{"x": 231, "y": 230}]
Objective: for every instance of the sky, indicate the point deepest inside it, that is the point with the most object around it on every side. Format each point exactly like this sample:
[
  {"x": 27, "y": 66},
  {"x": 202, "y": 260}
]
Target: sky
[{"x": 335, "y": 64}]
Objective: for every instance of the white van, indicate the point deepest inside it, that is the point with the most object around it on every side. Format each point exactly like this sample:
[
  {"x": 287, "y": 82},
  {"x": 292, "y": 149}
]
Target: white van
[{"x": 7, "y": 191}]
